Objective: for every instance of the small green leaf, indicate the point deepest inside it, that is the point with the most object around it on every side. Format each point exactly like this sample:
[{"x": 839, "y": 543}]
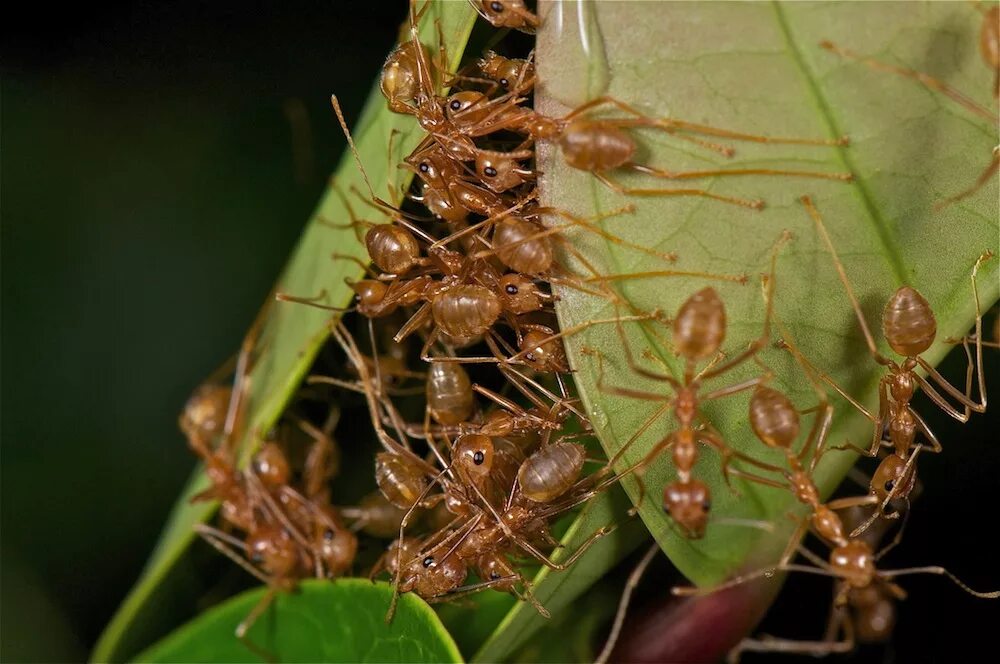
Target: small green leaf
[
  {"x": 342, "y": 621},
  {"x": 557, "y": 590},
  {"x": 293, "y": 333},
  {"x": 758, "y": 68}
]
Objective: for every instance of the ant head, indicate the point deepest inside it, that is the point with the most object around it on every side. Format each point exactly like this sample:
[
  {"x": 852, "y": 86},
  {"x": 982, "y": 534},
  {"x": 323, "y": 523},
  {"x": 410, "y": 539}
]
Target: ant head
[
  {"x": 473, "y": 454},
  {"x": 272, "y": 549},
  {"x": 700, "y": 325},
  {"x": 204, "y": 414},
  {"x": 335, "y": 544},
  {"x": 688, "y": 504},
  {"x": 438, "y": 573},
  {"x": 497, "y": 171},
  {"x": 908, "y": 322},
  {"x": 508, "y": 14},
  {"x": 494, "y": 566},
  {"x": 519, "y": 293},
  {"x": 854, "y": 562},
  {"x": 543, "y": 355},
  {"x": 465, "y": 106},
  {"x": 271, "y": 465},
  {"x": 369, "y": 292},
  {"x": 773, "y": 418},
  {"x": 892, "y": 476}
]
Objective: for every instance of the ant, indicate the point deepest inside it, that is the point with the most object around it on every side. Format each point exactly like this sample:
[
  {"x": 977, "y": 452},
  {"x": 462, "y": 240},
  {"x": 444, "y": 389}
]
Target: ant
[
  {"x": 699, "y": 329},
  {"x": 909, "y": 327},
  {"x": 989, "y": 47},
  {"x": 507, "y": 14},
  {"x": 852, "y": 559}
]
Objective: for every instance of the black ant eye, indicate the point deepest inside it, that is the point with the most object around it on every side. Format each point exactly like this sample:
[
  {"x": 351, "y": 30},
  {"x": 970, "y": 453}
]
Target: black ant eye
[
  {"x": 424, "y": 167},
  {"x": 496, "y": 6},
  {"x": 529, "y": 357},
  {"x": 889, "y": 484},
  {"x": 428, "y": 561},
  {"x": 504, "y": 82},
  {"x": 478, "y": 458},
  {"x": 511, "y": 289},
  {"x": 490, "y": 171},
  {"x": 456, "y": 104},
  {"x": 328, "y": 534},
  {"x": 494, "y": 575},
  {"x": 706, "y": 505}
]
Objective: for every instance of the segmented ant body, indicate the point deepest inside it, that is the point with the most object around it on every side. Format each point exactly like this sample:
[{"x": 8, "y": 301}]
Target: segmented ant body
[
  {"x": 507, "y": 14},
  {"x": 514, "y": 75},
  {"x": 852, "y": 560},
  {"x": 909, "y": 327},
  {"x": 699, "y": 329}
]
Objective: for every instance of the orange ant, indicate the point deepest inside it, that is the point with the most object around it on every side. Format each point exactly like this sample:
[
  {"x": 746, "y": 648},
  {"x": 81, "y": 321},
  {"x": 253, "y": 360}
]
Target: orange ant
[
  {"x": 507, "y": 14},
  {"x": 989, "y": 47},
  {"x": 852, "y": 559},
  {"x": 909, "y": 327},
  {"x": 698, "y": 331}
]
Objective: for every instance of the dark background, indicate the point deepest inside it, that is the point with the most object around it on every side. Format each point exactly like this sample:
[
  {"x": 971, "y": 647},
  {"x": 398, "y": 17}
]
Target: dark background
[{"x": 151, "y": 191}]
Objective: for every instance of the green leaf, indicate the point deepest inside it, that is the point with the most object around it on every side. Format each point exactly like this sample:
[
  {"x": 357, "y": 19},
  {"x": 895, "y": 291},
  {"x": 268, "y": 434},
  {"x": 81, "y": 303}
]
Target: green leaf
[
  {"x": 557, "y": 590},
  {"x": 292, "y": 333},
  {"x": 343, "y": 621},
  {"x": 758, "y": 68}
]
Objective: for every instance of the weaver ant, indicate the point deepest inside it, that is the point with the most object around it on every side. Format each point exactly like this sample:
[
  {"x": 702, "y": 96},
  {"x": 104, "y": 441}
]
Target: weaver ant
[{"x": 909, "y": 327}]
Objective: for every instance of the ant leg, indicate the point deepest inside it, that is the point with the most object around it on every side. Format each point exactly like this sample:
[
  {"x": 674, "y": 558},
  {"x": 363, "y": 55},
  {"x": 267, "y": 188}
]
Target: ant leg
[
  {"x": 755, "y": 204},
  {"x": 568, "y": 562},
  {"x": 839, "y": 619},
  {"x": 244, "y": 627},
  {"x": 980, "y": 182},
  {"x": 821, "y": 227},
  {"x": 965, "y": 399},
  {"x": 630, "y": 585},
  {"x": 934, "y": 569},
  {"x": 763, "y": 573},
  {"x": 591, "y": 225},
  {"x": 721, "y": 172},
  {"x": 928, "y": 82}
]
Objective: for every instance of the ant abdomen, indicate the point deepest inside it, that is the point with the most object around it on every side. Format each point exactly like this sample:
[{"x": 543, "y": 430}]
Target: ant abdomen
[
  {"x": 466, "y": 310},
  {"x": 398, "y": 81},
  {"x": 773, "y": 418},
  {"x": 908, "y": 322},
  {"x": 399, "y": 480},
  {"x": 874, "y": 614},
  {"x": 700, "y": 325},
  {"x": 271, "y": 465},
  {"x": 392, "y": 249},
  {"x": 449, "y": 393},
  {"x": 595, "y": 146},
  {"x": 518, "y": 247},
  {"x": 204, "y": 414},
  {"x": 551, "y": 471}
]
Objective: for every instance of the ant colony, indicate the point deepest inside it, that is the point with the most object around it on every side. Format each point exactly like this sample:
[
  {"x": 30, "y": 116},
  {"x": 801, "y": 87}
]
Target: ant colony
[{"x": 449, "y": 374}]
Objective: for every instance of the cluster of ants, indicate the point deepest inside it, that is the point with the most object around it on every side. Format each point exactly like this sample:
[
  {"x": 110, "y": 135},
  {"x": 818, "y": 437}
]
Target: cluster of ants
[{"x": 469, "y": 493}]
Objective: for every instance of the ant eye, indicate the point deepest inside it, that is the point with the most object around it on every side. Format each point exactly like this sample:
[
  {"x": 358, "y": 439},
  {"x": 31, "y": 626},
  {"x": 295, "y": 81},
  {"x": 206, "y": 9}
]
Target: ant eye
[
  {"x": 328, "y": 534},
  {"x": 706, "y": 505},
  {"x": 455, "y": 104},
  {"x": 490, "y": 171},
  {"x": 494, "y": 575},
  {"x": 529, "y": 357},
  {"x": 478, "y": 458},
  {"x": 257, "y": 557},
  {"x": 424, "y": 167},
  {"x": 889, "y": 484},
  {"x": 496, "y": 6},
  {"x": 511, "y": 289},
  {"x": 428, "y": 561},
  {"x": 504, "y": 82}
]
